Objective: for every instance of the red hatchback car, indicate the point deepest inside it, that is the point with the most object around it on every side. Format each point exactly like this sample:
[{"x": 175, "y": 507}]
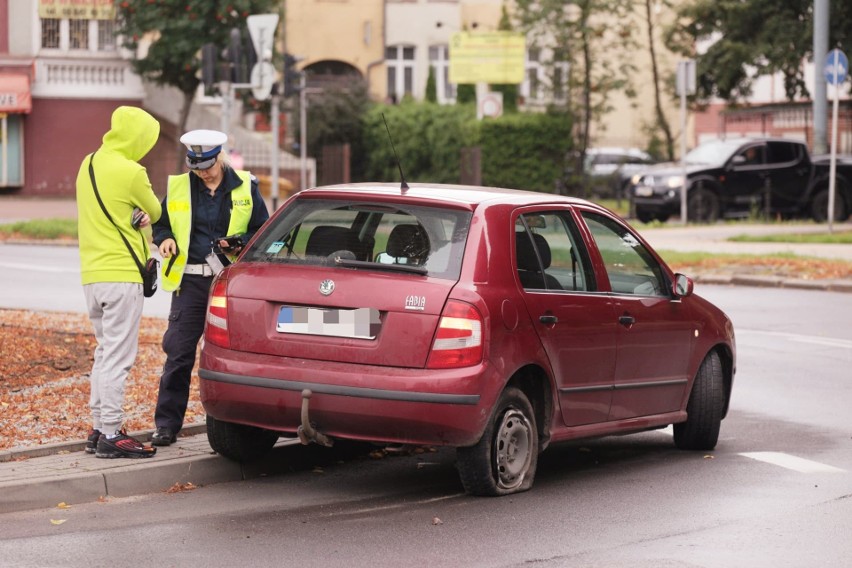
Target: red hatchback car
[{"x": 495, "y": 321}]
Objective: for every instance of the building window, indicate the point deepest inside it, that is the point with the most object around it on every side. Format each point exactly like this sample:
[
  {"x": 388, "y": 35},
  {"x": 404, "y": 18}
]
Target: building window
[
  {"x": 560, "y": 76},
  {"x": 106, "y": 35},
  {"x": 400, "y": 64},
  {"x": 439, "y": 59},
  {"x": 50, "y": 33},
  {"x": 531, "y": 88},
  {"x": 76, "y": 34}
]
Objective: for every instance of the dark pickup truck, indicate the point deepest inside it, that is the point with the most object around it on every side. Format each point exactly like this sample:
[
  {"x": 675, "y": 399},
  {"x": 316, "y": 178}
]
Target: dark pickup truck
[{"x": 739, "y": 177}]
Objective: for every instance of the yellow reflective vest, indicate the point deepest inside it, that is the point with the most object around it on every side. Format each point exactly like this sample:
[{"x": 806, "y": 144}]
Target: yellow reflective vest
[{"x": 179, "y": 206}]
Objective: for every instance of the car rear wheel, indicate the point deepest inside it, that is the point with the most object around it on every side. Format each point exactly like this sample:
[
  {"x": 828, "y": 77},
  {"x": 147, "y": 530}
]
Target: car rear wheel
[
  {"x": 702, "y": 205},
  {"x": 704, "y": 409},
  {"x": 239, "y": 442},
  {"x": 819, "y": 207},
  {"x": 505, "y": 458}
]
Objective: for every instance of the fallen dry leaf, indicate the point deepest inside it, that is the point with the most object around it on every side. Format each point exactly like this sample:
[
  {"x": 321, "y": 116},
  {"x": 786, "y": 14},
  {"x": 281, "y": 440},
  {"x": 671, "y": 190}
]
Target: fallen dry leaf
[
  {"x": 57, "y": 521},
  {"x": 437, "y": 521},
  {"x": 44, "y": 380},
  {"x": 178, "y": 487},
  {"x": 63, "y": 505}
]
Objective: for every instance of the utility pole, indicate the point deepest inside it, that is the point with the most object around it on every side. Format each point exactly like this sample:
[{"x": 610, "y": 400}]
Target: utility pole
[{"x": 820, "y": 103}]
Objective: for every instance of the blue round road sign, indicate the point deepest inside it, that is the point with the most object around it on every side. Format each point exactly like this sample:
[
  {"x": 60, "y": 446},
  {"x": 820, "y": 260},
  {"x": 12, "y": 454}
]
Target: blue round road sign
[{"x": 836, "y": 67}]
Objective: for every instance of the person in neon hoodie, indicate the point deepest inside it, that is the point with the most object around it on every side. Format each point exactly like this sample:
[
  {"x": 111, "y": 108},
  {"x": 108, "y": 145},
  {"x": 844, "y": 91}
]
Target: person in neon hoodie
[{"x": 111, "y": 280}]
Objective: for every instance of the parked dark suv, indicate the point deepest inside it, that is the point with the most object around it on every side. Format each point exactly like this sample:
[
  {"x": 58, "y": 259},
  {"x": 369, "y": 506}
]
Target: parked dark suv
[{"x": 738, "y": 177}]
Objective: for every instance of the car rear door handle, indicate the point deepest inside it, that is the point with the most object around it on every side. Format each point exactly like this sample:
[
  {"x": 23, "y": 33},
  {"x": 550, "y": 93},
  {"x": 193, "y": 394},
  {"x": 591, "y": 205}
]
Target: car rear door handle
[
  {"x": 548, "y": 320},
  {"x": 626, "y": 320}
]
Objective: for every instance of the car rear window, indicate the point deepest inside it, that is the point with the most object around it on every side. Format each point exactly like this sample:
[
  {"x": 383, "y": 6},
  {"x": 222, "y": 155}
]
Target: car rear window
[{"x": 370, "y": 236}]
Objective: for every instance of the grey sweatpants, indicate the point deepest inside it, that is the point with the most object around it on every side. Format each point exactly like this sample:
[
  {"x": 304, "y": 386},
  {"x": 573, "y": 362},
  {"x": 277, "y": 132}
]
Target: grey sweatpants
[{"x": 115, "y": 310}]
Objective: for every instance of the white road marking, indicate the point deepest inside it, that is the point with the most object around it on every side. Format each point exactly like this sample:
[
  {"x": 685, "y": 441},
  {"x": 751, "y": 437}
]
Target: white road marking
[
  {"x": 792, "y": 462},
  {"x": 37, "y": 267},
  {"x": 826, "y": 341}
]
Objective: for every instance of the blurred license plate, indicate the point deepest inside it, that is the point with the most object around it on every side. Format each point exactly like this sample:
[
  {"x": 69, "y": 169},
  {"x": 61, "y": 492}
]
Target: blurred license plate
[
  {"x": 360, "y": 323},
  {"x": 644, "y": 191}
]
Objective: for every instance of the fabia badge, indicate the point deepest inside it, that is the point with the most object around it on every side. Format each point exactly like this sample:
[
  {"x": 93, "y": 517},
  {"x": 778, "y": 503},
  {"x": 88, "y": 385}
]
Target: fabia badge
[{"x": 326, "y": 287}]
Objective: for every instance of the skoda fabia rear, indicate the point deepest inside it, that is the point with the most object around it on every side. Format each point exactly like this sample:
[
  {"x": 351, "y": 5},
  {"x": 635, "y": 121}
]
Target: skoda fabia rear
[{"x": 398, "y": 315}]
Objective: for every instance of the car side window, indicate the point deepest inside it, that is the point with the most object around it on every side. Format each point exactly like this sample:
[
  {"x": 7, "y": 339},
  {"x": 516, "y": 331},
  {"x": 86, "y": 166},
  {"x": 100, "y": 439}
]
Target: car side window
[
  {"x": 753, "y": 156},
  {"x": 782, "y": 153},
  {"x": 629, "y": 265},
  {"x": 549, "y": 255}
]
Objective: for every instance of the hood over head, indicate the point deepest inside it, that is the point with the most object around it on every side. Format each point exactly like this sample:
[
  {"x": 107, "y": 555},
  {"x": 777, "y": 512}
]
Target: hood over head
[{"x": 133, "y": 132}]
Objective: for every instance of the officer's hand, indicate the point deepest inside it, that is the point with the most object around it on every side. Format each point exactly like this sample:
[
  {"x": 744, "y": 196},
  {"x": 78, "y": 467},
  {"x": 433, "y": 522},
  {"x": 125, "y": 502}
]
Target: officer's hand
[{"x": 167, "y": 248}]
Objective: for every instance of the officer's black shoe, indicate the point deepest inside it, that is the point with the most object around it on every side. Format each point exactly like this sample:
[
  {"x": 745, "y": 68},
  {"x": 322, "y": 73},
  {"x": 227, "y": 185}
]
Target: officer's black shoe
[{"x": 163, "y": 437}]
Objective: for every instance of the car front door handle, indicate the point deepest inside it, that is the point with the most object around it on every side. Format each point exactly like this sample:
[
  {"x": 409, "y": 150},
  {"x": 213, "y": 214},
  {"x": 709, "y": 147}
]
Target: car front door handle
[
  {"x": 548, "y": 320},
  {"x": 626, "y": 320}
]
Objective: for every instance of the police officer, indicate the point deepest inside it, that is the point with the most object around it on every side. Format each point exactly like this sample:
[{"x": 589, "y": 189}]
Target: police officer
[{"x": 203, "y": 206}]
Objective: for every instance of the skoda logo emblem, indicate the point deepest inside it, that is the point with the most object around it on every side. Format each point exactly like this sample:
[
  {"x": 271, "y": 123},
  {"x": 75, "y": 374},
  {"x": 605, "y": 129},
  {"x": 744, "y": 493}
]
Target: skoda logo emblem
[{"x": 326, "y": 287}]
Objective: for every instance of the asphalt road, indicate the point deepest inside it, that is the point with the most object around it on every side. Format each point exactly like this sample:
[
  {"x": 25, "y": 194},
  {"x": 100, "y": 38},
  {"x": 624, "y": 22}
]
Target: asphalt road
[{"x": 775, "y": 493}]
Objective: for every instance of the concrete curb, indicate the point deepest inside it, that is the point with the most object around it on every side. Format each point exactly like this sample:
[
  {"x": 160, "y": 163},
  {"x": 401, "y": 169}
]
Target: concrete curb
[
  {"x": 79, "y": 445},
  {"x": 73, "y": 477}
]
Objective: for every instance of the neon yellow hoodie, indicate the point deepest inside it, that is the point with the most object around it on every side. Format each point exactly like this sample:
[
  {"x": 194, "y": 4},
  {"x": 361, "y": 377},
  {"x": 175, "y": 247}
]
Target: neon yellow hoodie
[{"x": 123, "y": 184}]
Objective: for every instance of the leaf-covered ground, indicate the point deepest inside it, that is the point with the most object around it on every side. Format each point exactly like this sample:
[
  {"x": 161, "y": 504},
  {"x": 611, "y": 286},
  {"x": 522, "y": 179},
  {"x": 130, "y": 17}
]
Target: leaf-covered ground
[{"x": 44, "y": 388}]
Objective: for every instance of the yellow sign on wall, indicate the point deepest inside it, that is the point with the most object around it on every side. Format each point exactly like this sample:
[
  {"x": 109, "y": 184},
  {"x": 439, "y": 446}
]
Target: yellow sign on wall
[
  {"x": 487, "y": 57},
  {"x": 77, "y": 9}
]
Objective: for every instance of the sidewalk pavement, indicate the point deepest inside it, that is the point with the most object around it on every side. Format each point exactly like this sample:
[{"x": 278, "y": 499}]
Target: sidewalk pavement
[
  {"x": 62, "y": 473},
  {"x": 46, "y": 476}
]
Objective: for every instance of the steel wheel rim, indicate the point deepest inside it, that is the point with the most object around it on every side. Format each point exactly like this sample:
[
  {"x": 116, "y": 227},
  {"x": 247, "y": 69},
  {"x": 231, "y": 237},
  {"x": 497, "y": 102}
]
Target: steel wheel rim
[{"x": 512, "y": 449}]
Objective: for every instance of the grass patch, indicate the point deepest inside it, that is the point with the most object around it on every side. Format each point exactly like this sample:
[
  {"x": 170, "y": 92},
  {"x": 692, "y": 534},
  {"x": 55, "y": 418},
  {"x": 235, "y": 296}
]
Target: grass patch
[
  {"x": 41, "y": 229},
  {"x": 838, "y": 238}
]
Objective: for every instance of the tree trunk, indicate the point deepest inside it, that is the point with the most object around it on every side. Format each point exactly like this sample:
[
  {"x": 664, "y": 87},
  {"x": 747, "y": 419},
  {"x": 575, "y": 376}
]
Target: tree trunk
[{"x": 661, "y": 117}]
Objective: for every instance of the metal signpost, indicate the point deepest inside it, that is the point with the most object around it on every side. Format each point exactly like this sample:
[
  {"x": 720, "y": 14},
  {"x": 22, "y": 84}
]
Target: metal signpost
[
  {"x": 685, "y": 86},
  {"x": 262, "y": 30},
  {"x": 836, "y": 68}
]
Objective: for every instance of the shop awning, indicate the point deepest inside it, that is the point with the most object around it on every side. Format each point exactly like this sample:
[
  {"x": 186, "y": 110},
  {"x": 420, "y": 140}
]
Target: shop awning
[{"x": 15, "y": 93}]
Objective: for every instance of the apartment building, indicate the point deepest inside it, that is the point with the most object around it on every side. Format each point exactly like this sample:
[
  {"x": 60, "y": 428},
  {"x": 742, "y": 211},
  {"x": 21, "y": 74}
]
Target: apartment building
[{"x": 61, "y": 76}]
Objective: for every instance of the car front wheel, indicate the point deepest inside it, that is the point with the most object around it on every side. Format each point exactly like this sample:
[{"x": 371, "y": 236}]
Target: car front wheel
[
  {"x": 505, "y": 458},
  {"x": 702, "y": 206},
  {"x": 239, "y": 442},
  {"x": 704, "y": 409}
]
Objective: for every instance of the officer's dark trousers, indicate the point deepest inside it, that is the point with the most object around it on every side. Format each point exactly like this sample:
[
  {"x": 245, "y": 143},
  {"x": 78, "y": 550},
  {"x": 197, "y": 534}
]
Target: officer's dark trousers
[{"x": 180, "y": 343}]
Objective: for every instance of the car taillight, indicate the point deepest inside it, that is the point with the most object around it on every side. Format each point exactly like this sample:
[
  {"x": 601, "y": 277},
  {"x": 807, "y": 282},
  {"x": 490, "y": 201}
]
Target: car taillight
[
  {"x": 458, "y": 342},
  {"x": 216, "y": 331}
]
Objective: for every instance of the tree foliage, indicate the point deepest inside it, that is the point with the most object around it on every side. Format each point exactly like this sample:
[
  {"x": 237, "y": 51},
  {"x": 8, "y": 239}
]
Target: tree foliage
[
  {"x": 752, "y": 39},
  {"x": 176, "y": 30},
  {"x": 584, "y": 34}
]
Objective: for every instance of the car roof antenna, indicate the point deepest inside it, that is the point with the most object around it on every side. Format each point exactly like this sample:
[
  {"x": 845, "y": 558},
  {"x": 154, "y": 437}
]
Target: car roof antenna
[{"x": 403, "y": 186}]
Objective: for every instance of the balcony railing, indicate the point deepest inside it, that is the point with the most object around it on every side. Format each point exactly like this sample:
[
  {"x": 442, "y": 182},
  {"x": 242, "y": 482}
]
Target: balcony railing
[{"x": 86, "y": 78}]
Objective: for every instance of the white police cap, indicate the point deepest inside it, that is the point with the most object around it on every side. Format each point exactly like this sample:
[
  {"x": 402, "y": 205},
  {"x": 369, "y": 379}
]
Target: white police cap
[{"x": 202, "y": 147}]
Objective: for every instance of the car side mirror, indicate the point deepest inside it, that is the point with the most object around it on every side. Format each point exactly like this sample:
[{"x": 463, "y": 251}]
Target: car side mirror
[
  {"x": 683, "y": 286},
  {"x": 737, "y": 160}
]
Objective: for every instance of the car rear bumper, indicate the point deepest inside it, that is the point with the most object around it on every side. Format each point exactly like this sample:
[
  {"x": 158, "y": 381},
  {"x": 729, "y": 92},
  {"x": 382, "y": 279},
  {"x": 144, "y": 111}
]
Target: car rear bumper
[{"x": 359, "y": 402}]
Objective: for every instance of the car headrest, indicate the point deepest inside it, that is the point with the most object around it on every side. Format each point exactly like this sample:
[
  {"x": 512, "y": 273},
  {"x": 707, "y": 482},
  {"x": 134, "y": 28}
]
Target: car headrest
[
  {"x": 526, "y": 254},
  {"x": 326, "y": 239},
  {"x": 408, "y": 241}
]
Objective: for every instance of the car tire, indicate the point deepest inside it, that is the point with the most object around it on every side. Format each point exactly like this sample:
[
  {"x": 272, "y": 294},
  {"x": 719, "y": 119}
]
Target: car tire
[
  {"x": 644, "y": 215},
  {"x": 819, "y": 207},
  {"x": 705, "y": 408},
  {"x": 702, "y": 206},
  {"x": 239, "y": 442},
  {"x": 505, "y": 458}
]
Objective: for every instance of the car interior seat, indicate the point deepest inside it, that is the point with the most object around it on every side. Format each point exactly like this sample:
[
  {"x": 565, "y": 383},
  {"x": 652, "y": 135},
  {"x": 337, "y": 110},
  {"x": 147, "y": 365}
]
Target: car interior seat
[
  {"x": 326, "y": 239},
  {"x": 529, "y": 271},
  {"x": 409, "y": 241}
]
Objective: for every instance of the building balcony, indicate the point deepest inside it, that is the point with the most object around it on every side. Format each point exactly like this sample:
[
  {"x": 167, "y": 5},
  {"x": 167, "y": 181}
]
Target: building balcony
[{"x": 71, "y": 78}]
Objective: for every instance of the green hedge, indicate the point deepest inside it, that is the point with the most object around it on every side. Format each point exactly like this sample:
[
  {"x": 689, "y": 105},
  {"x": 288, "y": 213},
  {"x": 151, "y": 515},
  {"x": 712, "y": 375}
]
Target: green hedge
[{"x": 524, "y": 151}]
